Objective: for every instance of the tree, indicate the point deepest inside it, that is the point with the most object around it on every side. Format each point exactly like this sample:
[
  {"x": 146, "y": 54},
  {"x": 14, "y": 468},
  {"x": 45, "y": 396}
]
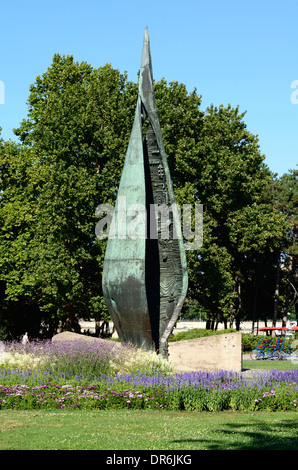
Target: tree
[
  {"x": 77, "y": 129},
  {"x": 73, "y": 145},
  {"x": 286, "y": 200},
  {"x": 240, "y": 223},
  {"x": 78, "y": 121},
  {"x": 18, "y": 188}
]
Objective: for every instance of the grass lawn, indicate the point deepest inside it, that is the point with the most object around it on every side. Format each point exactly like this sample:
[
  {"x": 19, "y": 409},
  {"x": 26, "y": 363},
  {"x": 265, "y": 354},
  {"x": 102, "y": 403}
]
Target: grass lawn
[
  {"x": 265, "y": 364},
  {"x": 151, "y": 430},
  {"x": 147, "y": 430}
]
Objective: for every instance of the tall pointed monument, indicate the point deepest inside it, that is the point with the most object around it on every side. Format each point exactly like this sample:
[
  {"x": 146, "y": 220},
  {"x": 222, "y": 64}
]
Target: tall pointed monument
[{"x": 145, "y": 272}]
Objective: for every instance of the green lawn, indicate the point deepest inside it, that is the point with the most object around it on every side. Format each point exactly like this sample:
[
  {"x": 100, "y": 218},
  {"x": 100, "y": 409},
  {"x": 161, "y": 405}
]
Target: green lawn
[
  {"x": 151, "y": 430},
  {"x": 147, "y": 430},
  {"x": 265, "y": 364}
]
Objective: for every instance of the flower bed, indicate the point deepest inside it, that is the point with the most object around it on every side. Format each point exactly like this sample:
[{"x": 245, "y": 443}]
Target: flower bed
[
  {"x": 84, "y": 358},
  {"x": 109, "y": 376}
]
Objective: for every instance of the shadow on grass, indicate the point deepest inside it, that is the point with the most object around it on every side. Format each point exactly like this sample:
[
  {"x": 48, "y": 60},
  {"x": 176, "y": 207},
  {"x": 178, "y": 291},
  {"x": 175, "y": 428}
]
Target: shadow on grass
[{"x": 275, "y": 435}]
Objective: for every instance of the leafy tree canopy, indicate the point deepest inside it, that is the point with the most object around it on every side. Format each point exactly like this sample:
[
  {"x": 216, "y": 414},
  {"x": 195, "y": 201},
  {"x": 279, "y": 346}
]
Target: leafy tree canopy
[{"x": 69, "y": 160}]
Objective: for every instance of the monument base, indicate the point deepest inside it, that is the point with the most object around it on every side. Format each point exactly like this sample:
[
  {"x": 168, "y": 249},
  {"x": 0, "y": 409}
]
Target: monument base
[{"x": 217, "y": 352}]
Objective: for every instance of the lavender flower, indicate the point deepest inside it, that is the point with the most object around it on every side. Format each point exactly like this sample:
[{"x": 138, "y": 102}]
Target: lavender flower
[{"x": 79, "y": 375}]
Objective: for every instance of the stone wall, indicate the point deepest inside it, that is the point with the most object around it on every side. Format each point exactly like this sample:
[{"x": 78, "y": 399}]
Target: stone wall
[{"x": 217, "y": 352}]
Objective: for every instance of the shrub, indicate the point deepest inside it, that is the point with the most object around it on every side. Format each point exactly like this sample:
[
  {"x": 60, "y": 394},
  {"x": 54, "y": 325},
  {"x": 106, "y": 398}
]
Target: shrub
[
  {"x": 197, "y": 333},
  {"x": 249, "y": 342},
  {"x": 130, "y": 378},
  {"x": 81, "y": 358},
  {"x": 191, "y": 392}
]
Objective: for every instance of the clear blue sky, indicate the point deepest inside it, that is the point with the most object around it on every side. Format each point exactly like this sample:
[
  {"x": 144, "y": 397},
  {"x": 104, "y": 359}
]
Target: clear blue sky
[{"x": 232, "y": 51}]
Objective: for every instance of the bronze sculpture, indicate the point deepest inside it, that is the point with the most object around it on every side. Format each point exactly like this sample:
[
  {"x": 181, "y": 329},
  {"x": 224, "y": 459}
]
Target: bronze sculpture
[{"x": 145, "y": 271}]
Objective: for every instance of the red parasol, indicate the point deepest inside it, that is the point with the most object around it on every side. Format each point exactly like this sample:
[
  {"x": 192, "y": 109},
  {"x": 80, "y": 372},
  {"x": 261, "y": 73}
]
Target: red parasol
[{"x": 270, "y": 328}]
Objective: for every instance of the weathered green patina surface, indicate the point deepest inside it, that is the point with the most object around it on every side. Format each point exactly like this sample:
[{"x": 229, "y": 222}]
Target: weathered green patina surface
[{"x": 145, "y": 271}]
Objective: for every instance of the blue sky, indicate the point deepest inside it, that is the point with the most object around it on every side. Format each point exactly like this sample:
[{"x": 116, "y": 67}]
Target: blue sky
[{"x": 242, "y": 52}]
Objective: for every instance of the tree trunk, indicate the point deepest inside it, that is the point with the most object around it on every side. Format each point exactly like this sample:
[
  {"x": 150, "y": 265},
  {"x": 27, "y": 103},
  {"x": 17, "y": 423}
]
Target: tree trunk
[
  {"x": 289, "y": 270},
  {"x": 276, "y": 292},
  {"x": 97, "y": 328},
  {"x": 254, "y": 308},
  {"x": 232, "y": 307},
  {"x": 239, "y": 308}
]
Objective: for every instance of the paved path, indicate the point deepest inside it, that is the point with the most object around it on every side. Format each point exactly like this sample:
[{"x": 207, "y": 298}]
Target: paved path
[{"x": 252, "y": 372}]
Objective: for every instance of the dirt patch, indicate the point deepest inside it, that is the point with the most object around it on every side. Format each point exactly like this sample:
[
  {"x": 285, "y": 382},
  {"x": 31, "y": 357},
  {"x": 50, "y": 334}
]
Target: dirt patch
[{"x": 10, "y": 424}]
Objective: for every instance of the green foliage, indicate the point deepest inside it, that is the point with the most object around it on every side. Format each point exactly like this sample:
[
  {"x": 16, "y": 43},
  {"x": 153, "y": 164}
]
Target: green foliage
[
  {"x": 197, "y": 333},
  {"x": 286, "y": 200},
  {"x": 73, "y": 144},
  {"x": 73, "y": 139},
  {"x": 80, "y": 375},
  {"x": 101, "y": 396},
  {"x": 250, "y": 342}
]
